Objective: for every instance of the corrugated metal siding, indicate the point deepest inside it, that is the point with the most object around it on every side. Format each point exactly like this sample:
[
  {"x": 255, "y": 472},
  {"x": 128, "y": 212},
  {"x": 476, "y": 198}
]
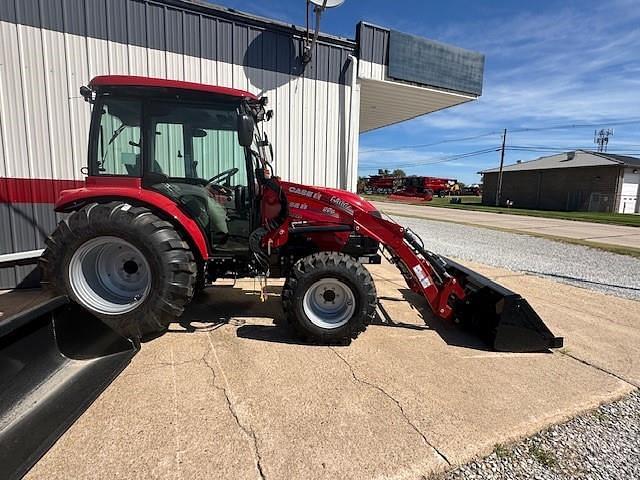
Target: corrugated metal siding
[
  {"x": 49, "y": 48},
  {"x": 373, "y": 51},
  {"x": 400, "y": 57}
]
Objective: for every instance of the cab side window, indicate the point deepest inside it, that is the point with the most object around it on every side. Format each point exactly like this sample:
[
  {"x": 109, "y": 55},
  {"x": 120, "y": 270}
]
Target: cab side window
[
  {"x": 169, "y": 149},
  {"x": 119, "y": 146}
]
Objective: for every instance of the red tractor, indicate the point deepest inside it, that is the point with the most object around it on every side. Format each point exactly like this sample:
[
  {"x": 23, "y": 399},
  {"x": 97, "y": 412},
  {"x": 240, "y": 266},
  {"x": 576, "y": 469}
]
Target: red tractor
[{"x": 180, "y": 192}]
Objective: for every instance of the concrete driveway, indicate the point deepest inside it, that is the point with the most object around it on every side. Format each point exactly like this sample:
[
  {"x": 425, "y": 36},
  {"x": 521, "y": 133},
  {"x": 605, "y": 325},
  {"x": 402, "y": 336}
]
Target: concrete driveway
[
  {"x": 595, "y": 233},
  {"x": 230, "y": 393}
]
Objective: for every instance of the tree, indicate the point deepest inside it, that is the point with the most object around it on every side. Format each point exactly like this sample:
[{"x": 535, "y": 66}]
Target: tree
[
  {"x": 398, "y": 172},
  {"x": 362, "y": 183}
]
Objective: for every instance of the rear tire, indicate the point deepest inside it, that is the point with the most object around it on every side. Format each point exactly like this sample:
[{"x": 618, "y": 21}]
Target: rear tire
[
  {"x": 329, "y": 298},
  {"x": 123, "y": 264}
]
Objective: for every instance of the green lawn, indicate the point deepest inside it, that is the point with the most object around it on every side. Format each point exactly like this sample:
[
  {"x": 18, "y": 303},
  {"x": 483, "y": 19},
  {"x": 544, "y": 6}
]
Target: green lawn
[{"x": 474, "y": 203}]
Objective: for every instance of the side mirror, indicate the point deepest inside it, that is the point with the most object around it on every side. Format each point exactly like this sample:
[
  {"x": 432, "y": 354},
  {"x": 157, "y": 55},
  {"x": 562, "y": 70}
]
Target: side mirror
[
  {"x": 87, "y": 94},
  {"x": 245, "y": 129}
]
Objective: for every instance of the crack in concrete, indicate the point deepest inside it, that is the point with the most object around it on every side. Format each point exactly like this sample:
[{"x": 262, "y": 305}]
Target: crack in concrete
[
  {"x": 601, "y": 369},
  {"x": 248, "y": 431},
  {"x": 398, "y": 404},
  {"x": 159, "y": 365},
  {"x": 176, "y": 415}
]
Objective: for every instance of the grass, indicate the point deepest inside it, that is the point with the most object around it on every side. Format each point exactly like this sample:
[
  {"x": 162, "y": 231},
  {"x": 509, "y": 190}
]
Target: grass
[
  {"x": 543, "y": 456},
  {"x": 475, "y": 203},
  {"x": 502, "y": 451}
]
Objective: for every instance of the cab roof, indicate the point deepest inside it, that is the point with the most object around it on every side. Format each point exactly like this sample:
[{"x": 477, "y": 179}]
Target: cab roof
[{"x": 149, "y": 82}]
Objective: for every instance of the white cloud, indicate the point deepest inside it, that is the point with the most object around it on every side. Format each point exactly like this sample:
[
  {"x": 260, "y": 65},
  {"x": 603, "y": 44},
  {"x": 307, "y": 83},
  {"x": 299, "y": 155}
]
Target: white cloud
[
  {"x": 578, "y": 65},
  {"x": 566, "y": 65}
]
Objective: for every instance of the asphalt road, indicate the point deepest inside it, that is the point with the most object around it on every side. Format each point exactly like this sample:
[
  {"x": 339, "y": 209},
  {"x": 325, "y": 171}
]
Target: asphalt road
[{"x": 573, "y": 264}]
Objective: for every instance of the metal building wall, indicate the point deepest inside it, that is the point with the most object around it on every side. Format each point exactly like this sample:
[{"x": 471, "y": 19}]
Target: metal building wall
[{"x": 49, "y": 48}]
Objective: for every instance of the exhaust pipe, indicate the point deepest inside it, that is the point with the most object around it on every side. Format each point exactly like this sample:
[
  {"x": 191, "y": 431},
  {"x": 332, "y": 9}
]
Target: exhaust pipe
[
  {"x": 500, "y": 316},
  {"x": 55, "y": 359}
]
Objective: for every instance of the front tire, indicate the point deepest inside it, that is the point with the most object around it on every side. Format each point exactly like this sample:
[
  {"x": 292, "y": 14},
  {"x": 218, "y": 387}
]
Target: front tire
[
  {"x": 329, "y": 298},
  {"x": 123, "y": 264}
]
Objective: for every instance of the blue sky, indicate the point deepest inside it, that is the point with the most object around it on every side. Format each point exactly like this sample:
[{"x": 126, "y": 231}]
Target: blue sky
[{"x": 548, "y": 63}]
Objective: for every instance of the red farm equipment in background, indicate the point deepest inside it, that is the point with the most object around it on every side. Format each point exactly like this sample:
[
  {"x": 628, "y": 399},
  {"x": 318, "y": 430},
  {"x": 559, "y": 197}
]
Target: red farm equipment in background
[
  {"x": 423, "y": 189},
  {"x": 382, "y": 184}
]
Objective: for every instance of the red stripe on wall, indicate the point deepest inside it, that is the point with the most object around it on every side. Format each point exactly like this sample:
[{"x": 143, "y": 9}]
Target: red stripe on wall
[{"x": 34, "y": 190}]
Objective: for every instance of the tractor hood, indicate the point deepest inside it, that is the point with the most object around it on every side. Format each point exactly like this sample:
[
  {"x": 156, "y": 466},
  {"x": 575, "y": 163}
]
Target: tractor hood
[{"x": 323, "y": 204}]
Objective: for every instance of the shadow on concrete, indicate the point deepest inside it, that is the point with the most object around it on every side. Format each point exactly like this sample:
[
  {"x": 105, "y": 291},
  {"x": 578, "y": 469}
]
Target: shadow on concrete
[
  {"x": 220, "y": 305},
  {"x": 451, "y": 333}
]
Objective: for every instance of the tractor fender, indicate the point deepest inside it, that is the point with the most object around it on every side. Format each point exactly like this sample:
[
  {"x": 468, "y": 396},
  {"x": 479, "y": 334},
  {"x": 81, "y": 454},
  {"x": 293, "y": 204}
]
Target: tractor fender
[{"x": 71, "y": 200}]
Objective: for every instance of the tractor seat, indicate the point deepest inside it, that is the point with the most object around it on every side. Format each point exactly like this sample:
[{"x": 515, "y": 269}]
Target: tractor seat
[{"x": 204, "y": 209}]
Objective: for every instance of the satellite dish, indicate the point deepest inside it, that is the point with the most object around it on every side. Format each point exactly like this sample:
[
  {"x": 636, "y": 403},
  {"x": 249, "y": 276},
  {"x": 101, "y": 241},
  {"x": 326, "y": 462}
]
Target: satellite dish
[
  {"x": 327, "y": 3},
  {"x": 320, "y": 5}
]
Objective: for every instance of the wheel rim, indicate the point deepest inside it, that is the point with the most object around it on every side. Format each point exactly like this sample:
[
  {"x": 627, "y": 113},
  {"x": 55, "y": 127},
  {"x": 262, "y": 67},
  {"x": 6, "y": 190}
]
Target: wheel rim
[
  {"x": 109, "y": 275},
  {"x": 329, "y": 303}
]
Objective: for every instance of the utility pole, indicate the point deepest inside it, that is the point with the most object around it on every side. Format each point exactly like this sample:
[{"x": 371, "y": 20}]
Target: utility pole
[{"x": 499, "y": 190}]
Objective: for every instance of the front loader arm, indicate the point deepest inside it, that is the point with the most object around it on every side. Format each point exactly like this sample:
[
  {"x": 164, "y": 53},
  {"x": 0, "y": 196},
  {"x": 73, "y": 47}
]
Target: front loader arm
[
  {"x": 423, "y": 271},
  {"x": 502, "y": 318}
]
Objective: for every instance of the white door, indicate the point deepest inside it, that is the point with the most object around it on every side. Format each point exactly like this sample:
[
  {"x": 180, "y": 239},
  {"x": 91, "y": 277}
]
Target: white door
[{"x": 629, "y": 193}]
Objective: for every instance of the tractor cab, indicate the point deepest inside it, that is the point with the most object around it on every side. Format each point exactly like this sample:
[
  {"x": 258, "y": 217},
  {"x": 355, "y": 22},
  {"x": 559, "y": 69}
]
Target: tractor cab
[{"x": 184, "y": 144}]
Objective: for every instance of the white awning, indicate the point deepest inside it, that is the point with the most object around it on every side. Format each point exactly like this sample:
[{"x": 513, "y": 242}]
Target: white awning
[{"x": 384, "y": 102}]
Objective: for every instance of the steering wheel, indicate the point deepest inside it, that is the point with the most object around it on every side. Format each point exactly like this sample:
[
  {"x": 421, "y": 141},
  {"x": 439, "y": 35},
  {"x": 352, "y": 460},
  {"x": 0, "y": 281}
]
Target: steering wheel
[
  {"x": 214, "y": 182},
  {"x": 222, "y": 176}
]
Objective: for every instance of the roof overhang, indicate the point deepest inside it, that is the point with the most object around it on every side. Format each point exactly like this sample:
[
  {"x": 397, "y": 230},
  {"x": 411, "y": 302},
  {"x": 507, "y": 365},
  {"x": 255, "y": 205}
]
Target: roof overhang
[
  {"x": 402, "y": 76},
  {"x": 383, "y": 103}
]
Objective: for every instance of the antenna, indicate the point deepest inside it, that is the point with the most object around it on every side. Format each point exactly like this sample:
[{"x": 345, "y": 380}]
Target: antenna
[
  {"x": 319, "y": 8},
  {"x": 601, "y": 138}
]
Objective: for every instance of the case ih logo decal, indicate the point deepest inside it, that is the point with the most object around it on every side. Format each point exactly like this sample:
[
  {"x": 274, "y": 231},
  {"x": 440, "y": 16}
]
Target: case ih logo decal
[
  {"x": 305, "y": 193},
  {"x": 342, "y": 204},
  {"x": 329, "y": 211},
  {"x": 299, "y": 206}
]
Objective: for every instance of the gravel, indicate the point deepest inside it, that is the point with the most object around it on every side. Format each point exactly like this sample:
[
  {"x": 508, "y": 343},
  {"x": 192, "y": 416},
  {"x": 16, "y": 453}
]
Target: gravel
[
  {"x": 604, "y": 444},
  {"x": 573, "y": 264}
]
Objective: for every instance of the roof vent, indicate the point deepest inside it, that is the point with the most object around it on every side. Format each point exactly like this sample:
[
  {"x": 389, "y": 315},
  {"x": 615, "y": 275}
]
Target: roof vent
[{"x": 571, "y": 155}]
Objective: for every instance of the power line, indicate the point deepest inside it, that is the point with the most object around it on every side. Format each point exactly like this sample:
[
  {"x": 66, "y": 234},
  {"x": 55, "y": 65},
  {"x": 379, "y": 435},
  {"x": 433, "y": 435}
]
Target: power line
[
  {"x": 423, "y": 145},
  {"x": 576, "y": 125},
  {"x": 496, "y": 132},
  {"x": 437, "y": 160},
  {"x": 543, "y": 148},
  {"x": 520, "y": 148}
]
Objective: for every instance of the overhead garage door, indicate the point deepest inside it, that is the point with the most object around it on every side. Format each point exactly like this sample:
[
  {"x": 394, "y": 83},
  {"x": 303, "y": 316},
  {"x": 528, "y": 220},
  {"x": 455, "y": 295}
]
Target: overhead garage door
[{"x": 629, "y": 193}]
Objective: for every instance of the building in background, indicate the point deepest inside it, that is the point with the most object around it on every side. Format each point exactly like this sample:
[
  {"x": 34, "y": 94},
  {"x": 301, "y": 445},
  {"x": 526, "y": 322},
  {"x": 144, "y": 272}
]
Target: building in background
[
  {"x": 48, "y": 49},
  {"x": 579, "y": 180}
]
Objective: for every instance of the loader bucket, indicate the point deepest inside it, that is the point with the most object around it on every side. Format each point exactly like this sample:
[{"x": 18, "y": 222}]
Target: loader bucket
[
  {"x": 501, "y": 317},
  {"x": 55, "y": 359}
]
